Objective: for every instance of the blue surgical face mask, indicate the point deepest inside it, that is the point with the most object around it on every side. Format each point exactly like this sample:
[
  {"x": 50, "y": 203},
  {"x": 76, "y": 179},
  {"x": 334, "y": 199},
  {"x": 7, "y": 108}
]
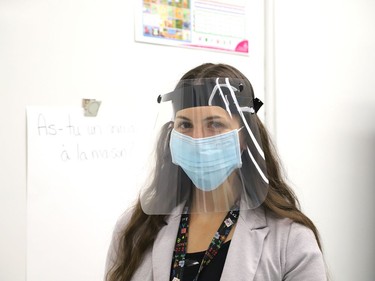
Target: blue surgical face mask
[{"x": 207, "y": 161}]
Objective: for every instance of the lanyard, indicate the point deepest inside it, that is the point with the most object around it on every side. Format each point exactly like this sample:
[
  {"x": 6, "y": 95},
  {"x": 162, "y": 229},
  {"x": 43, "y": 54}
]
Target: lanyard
[{"x": 215, "y": 245}]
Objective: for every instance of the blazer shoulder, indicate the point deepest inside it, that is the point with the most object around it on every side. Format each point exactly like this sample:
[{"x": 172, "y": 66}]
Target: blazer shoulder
[
  {"x": 300, "y": 255},
  {"x": 286, "y": 233},
  {"x": 114, "y": 246}
]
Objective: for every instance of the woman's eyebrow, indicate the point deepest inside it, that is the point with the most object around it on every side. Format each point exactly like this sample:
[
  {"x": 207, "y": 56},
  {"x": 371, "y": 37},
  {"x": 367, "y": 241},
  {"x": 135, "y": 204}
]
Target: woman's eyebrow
[
  {"x": 182, "y": 117},
  {"x": 209, "y": 118}
]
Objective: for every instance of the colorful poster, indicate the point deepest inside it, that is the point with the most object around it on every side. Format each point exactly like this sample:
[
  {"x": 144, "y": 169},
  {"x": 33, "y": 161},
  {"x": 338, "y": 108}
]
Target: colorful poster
[{"x": 219, "y": 25}]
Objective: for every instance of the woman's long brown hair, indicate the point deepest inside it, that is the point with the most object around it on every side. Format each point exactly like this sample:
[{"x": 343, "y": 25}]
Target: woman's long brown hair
[{"x": 140, "y": 233}]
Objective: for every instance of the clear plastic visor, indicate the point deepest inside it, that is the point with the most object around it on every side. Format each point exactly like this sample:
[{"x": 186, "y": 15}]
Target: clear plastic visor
[{"x": 208, "y": 155}]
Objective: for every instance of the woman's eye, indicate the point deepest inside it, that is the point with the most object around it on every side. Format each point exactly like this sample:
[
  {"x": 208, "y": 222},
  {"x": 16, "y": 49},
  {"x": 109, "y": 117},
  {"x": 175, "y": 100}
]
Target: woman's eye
[
  {"x": 184, "y": 125},
  {"x": 216, "y": 125}
]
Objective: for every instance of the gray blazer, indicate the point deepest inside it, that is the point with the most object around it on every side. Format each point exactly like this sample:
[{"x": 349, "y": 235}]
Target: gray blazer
[{"x": 263, "y": 248}]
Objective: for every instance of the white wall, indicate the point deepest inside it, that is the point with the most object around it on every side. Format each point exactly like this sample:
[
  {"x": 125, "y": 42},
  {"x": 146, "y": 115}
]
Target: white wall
[
  {"x": 55, "y": 53},
  {"x": 325, "y": 120}
]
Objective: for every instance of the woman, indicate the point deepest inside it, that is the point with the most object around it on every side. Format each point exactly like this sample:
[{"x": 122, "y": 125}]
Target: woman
[{"x": 217, "y": 206}]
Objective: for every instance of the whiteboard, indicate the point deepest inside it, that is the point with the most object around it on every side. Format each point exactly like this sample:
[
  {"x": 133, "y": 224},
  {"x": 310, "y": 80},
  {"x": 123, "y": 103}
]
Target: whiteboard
[{"x": 81, "y": 172}]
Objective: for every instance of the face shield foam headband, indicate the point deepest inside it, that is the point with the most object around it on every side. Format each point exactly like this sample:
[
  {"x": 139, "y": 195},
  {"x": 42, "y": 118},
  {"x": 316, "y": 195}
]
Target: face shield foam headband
[
  {"x": 211, "y": 92},
  {"x": 171, "y": 186}
]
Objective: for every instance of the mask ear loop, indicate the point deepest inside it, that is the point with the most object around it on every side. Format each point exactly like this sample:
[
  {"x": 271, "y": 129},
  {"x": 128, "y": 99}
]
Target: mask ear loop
[{"x": 260, "y": 151}]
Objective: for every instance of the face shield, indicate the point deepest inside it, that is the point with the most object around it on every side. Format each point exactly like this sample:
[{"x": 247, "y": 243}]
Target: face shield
[{"x": 209, "y": 154}]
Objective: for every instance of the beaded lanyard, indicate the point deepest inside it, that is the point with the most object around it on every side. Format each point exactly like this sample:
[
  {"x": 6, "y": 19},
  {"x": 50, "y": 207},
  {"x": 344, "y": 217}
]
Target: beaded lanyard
[{"x": 215, "y": 245}]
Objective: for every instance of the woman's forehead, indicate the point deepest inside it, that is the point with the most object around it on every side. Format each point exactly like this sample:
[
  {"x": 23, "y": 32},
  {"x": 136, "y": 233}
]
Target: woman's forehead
[{"x": 203, "y": 112}]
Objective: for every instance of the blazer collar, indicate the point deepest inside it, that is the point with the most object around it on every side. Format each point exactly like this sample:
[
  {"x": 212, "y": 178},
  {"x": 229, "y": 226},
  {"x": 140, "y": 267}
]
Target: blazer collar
[{"x": 249, "y": 235}]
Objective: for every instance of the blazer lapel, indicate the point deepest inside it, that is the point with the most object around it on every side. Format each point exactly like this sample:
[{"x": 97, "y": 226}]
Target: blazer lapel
[
  {"x": 163, "y": 248},
  {"x": 246, "y": 246}
]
